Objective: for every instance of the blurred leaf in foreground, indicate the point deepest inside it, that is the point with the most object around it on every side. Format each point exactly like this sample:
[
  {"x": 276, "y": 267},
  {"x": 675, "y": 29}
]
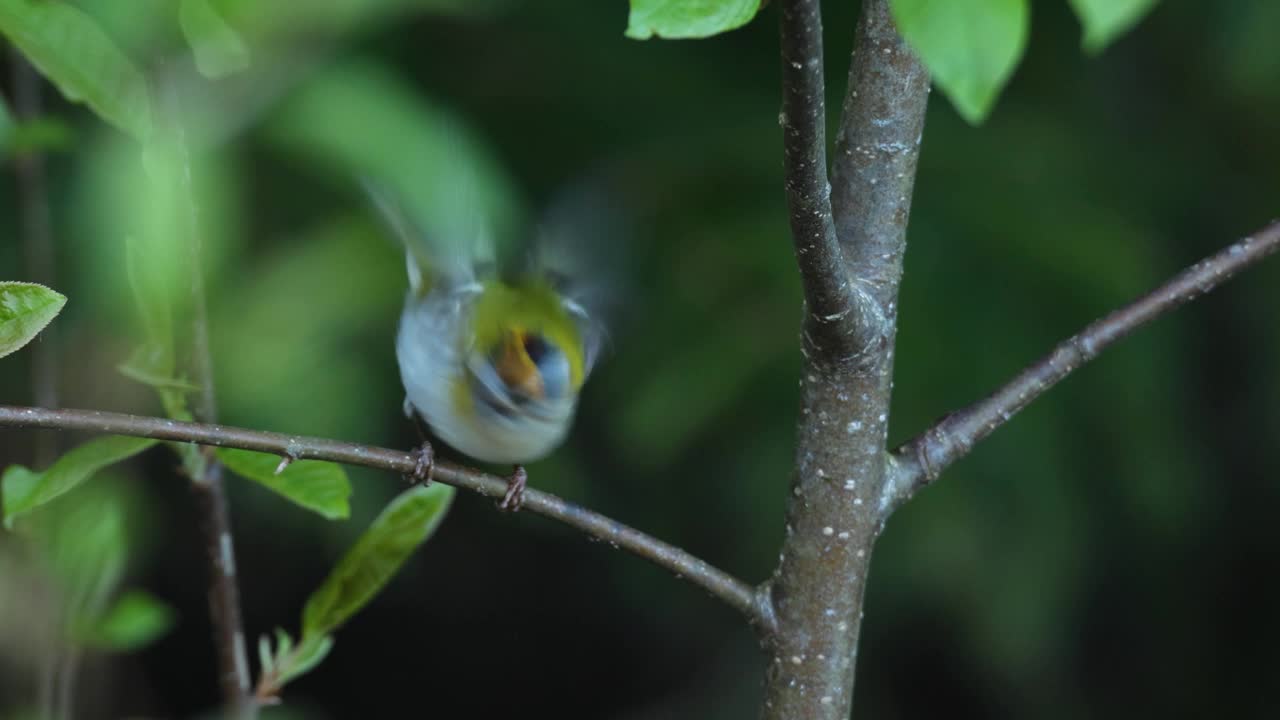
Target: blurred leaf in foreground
[
  {"x": 217, "y": 46},
  {"x": 24, "y": 490},
  {"x": 69, "y": 49},
  {"x": 135, "y": 620},
  {"x": 1106, "y": 20}
]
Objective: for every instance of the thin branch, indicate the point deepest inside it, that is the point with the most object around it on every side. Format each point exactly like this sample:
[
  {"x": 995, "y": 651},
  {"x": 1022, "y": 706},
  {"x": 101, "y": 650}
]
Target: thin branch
[
  {"x": 839, "y": 321},
  {"x": 720, "y": 584},
  {"x": 921, "y": 460},
  {"x": 206, "y": 473}
]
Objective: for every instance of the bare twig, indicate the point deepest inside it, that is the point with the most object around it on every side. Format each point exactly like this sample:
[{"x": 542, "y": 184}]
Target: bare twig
[
  {"x": 834, "y": 515},
  {"x": 921, "y": 460},
  {"x": 206, "y": 475},
  {"x": 720, "y": 584},
  {"x": 841, "y": 323}
]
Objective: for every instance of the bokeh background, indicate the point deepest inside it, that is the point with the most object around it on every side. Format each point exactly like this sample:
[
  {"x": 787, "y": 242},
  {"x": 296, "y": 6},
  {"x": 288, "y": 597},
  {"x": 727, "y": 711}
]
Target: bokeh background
[{"x": 1111, "y": 552}]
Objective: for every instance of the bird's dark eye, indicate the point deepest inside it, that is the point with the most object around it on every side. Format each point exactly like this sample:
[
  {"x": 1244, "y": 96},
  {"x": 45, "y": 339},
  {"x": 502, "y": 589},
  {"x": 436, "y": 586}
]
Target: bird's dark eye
[{"x": 536, "y": 347}]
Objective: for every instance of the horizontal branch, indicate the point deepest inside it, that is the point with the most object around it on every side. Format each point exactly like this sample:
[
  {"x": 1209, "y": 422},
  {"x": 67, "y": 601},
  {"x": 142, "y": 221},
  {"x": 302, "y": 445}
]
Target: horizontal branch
[
  {"x": 720, "y": 584},
  {"x": 921, "y": 460},
  {"x": 841, "y": 324}
]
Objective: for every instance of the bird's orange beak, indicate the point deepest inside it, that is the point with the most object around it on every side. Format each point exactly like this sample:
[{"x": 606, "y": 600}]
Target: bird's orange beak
[{"x": 515, "y": 367}]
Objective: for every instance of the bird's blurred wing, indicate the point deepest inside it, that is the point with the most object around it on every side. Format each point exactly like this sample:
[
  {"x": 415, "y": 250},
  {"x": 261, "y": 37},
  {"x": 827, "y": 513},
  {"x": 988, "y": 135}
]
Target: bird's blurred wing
[
  {"x": 580, "y": 246},
  {"x": 454, "y": 255}
]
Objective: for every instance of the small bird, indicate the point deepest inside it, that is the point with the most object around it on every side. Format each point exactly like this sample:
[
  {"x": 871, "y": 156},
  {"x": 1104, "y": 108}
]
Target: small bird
[{"x": 493, "y": 361}]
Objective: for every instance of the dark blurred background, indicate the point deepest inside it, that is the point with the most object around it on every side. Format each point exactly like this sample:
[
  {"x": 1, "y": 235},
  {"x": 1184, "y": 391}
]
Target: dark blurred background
[{"x": 1111, "y": 552}]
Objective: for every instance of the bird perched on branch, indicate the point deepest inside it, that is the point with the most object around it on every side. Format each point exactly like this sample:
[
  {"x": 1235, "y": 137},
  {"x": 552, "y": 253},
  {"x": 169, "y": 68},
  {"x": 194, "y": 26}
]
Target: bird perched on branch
[{"x": 493, "y": 356}]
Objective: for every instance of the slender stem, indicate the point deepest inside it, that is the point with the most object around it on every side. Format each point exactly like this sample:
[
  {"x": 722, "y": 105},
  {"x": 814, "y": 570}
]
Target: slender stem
[
  {"x": 841, "y": 324},
  {"x": 877, "y": 147},
  {"x": 206, "y": 475},
  {"x": 921, "y": 460},
  {"x": 836, "y": 508},
  {"x": 37, "y": 240},
  {"x": 68, "y": 671},
  {"x": 47, "y": 687},
  {"x": 718, "y": 583}
]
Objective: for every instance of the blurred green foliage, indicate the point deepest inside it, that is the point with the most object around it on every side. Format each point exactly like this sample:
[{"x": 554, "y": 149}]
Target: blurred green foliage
[
  {"x": 73, "y": 53},
  {"x": 1104, "y": 555},
  {"x": 25, "y": 490}
]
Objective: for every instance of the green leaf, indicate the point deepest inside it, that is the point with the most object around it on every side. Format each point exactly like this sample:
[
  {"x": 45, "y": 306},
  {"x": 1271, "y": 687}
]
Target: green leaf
[
  {"x": 136, "y": 620},
  {"x": 688, "y": 18},
  {"x": 266, "y": 660},
  {"x": 25, "y": 310},
  {"x": 321, "y": 487},
  {"x": 69, "y": 49},
  {"x": 309, "y": 654},
  {"x": 286, "y": 663},
  {"x": 153, "y": 365},
  {"x": 401, "y": 527},
  {"x": 24, "y": 490},
  {"x": 284, "y": 645},
  {"x": 83, "y": 540},
  {"x": 217, "y": 46},
  {"x": 969, "y": 46},
  {"x": 1106, "y": 20}
]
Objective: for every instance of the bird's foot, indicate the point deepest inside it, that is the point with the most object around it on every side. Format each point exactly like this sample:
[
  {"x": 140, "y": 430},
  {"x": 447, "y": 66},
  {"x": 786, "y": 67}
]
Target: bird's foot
[
  {"x": 424, "y": 465},
  {"x": 515, "y": 490}
]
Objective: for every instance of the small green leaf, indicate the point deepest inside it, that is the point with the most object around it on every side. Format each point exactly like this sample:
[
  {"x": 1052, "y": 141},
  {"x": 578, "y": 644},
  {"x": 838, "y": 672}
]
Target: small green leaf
[
  {"x": 674, "y": 19},
  {"x": 266, "y": 661},
  {"x": 217, "y": 46},
  {"x": 321, "y": 487},
  {"x": 1106, "y": 20},
  {"x": 25, "y": 310},
  {"x": 136, "y": 620},
  {"x": 305, "y": 659},
  {"x": 969, "y": 46},
  {"x": 284, "y": 644},
  {"x": 24, "y": 490},
  {"x": 401, "y": 527},
  {"x": 69, "y": 49},
  {"x": 150, "y": 364}
]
